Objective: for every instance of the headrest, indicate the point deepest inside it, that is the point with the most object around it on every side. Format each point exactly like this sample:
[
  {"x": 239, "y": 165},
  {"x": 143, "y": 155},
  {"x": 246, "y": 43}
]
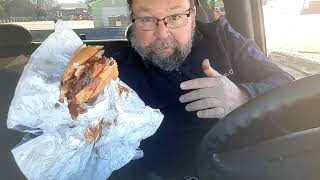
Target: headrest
[
  {"x": 12, "y": 34},
  {"x": 201, "y": 15}
]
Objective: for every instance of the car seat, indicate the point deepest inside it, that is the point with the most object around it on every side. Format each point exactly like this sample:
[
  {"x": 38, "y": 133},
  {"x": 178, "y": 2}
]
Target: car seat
[{"x": 8, "y": 138}]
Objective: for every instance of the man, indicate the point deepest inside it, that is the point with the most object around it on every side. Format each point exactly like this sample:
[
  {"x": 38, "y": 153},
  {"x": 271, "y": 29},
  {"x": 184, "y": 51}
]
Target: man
[{"x": 194, "y": 73}]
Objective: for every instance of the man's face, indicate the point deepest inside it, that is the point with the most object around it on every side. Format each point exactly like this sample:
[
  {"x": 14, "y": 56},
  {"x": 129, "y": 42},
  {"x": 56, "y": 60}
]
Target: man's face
[{"x": 165, "y": 47}]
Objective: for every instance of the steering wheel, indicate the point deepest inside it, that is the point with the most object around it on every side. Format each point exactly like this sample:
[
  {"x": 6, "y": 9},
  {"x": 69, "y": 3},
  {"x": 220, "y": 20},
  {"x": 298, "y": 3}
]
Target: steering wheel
[{"x": 281, "y": 112}]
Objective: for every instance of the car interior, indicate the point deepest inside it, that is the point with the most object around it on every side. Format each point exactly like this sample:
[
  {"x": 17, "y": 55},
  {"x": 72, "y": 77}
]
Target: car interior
[{"x": 274, "y": 136}]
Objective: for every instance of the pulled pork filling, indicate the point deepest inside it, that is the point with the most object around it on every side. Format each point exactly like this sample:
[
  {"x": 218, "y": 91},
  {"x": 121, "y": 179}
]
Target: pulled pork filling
[{"x": 85, "y": 76}]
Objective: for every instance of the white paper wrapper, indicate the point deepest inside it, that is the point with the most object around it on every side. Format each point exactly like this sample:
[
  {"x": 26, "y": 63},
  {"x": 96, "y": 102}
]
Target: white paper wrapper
[{"x": 61, "y": 152}]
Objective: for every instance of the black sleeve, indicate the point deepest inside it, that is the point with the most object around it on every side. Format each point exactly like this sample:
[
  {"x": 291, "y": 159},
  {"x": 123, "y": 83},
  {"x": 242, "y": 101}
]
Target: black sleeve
[{"x": 256, "y": 74}]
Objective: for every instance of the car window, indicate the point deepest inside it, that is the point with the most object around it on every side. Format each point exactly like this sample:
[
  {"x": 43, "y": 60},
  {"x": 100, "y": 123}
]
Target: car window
[
  {"x": 91, "y": 19},
  {"x": 292, "y": 27},
  {"x": 216, "y": 9}
]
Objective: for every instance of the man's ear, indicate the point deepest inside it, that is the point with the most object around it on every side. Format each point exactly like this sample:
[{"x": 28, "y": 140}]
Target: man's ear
[{"x": 194, "y": 11}]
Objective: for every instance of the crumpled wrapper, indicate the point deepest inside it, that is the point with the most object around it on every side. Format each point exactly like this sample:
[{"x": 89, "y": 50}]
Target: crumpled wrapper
[{"x": 61, "y": 152}]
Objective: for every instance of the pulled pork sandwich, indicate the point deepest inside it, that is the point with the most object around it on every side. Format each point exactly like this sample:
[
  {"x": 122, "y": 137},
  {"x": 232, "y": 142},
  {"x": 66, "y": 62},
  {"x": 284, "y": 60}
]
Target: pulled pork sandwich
[{"x": 86, "y": 75}]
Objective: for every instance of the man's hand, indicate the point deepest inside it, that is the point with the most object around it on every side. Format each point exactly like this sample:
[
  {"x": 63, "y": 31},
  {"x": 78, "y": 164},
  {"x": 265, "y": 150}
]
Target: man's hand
[{"x": 214, "y": 96}]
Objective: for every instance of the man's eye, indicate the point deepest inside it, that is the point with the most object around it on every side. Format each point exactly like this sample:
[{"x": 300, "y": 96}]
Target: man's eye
[{"x": 175, "y": 17}]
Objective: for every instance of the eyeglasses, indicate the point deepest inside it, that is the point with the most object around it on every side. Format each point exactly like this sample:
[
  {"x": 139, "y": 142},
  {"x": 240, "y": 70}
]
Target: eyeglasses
[{"x": 172, "y": 21}]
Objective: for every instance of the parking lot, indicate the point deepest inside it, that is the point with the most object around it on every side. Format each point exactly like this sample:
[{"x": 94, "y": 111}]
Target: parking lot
[{"x": 49, "y": 25}]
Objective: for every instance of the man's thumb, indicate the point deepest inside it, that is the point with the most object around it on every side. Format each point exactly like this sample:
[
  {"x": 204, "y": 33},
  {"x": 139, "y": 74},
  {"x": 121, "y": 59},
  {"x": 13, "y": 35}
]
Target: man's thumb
[{"x": 208, "y": 70}]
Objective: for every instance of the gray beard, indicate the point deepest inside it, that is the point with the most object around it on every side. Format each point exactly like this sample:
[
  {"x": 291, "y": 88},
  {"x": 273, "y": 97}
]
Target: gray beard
[{"x": 162, "y": 60}]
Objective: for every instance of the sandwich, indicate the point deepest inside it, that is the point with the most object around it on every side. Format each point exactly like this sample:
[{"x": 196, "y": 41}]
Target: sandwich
[{"x": 86, "y": 75}]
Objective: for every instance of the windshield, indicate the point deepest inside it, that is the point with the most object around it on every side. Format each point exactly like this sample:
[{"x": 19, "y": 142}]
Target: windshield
[{"x": 91, "y": 19}]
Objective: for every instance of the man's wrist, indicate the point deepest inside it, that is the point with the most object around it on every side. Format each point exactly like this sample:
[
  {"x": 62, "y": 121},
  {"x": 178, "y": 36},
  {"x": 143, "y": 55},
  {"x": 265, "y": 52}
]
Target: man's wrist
[
  {"x": 248, "y": 89},
  {"x": 244, "y": 95}
]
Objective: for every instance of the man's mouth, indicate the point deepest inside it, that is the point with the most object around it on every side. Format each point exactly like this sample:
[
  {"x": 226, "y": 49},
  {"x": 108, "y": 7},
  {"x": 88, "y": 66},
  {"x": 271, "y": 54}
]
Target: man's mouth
[{"x": 166, "y": 50}]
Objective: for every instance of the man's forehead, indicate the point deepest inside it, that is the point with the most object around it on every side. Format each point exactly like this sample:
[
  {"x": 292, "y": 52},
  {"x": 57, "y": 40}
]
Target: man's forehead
[{"x": 153, "y": 5}]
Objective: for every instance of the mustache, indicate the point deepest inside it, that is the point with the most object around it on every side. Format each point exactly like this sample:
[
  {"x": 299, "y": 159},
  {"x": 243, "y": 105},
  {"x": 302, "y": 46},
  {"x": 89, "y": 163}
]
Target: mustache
[{"x": 160, "y": 44}]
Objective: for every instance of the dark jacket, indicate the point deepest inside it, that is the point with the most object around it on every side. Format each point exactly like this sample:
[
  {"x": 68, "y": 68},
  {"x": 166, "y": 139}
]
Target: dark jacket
[{"x": 175, "y": 143}]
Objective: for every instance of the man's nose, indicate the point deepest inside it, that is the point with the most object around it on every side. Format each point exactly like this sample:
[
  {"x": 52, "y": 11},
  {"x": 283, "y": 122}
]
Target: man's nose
[{"x": 162, "y": 31}]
